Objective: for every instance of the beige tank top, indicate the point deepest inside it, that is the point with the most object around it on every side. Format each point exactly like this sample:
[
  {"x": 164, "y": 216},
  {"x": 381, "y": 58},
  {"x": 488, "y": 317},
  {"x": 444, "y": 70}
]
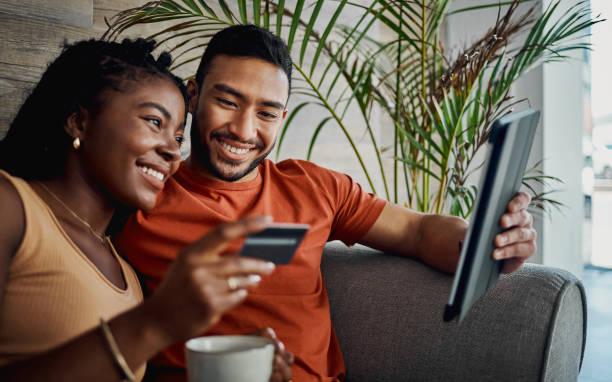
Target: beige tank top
[{"x": 53, "y": 292}]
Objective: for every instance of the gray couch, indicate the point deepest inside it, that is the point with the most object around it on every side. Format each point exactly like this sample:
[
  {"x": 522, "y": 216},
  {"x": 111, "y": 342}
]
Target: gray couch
[{"x": 387, "y": 312}]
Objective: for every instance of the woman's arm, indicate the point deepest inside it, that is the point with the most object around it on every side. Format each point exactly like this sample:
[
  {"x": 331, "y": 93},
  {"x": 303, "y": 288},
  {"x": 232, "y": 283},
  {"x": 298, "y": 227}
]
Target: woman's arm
[
  {"x": 12, "y": 226},
  {"x": 193, "y": 296}
]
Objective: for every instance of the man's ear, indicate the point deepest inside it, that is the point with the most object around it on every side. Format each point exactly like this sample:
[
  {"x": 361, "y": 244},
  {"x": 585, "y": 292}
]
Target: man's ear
[
  {"x": 76, "y": 123},
  {"x": 193, "y": 92}
]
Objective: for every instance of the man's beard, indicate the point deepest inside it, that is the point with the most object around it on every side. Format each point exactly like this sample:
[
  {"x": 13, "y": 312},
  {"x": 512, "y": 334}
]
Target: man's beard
[{"x": 203, "y": 155}]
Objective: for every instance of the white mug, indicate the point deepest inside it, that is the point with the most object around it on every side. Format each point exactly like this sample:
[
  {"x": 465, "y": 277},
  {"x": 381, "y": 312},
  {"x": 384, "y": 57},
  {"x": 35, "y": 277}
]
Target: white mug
[{"x": 229, "y": 358}]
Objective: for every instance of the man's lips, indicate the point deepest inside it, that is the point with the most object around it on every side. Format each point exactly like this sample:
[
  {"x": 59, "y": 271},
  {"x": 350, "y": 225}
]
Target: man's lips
[{"x": 234, "y": 150}]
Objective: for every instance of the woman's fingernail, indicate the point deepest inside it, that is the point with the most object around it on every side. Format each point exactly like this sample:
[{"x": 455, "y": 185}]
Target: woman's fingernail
[
  {"x": 270, "y": 265},
  {"x": 254, "y": 278}
]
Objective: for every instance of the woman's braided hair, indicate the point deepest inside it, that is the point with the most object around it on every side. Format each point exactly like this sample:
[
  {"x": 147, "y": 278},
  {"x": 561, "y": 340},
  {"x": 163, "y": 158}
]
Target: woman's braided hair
[{"x": 36, "y": 144}]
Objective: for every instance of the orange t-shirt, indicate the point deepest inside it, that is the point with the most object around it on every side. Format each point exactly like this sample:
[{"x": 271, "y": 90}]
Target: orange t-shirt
[{"x": 293, "y": 300}]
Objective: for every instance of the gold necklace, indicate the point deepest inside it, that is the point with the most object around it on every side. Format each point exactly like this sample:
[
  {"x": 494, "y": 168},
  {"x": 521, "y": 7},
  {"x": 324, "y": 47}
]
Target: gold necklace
[{"x": 102, "y": 239}]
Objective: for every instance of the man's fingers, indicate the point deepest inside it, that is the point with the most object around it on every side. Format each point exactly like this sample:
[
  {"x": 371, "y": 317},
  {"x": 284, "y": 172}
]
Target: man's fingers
[
  {"x": 513, "y": 219},
  {"x": 268, "y": 332},
  {"x": 289, "y": 357},
  {"x": 283, "y": 359},
  {"x": 282, "y": 367},
  {"x": 218, "y": 238},
  {"x": 518, "y": 250},
  {"x": 512, "y": 265},
  {"x": 515, "y": 235},
  {"x": 519, "y": 202}
]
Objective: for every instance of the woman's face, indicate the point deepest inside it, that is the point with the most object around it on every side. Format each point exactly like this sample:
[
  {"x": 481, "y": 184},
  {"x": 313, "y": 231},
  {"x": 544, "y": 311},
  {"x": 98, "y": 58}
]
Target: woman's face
[{"x": 130, "y": 145}]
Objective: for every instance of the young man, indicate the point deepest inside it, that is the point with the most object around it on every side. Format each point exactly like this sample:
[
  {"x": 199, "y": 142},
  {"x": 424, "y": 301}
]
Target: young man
[{"x": 238, "y": 101}]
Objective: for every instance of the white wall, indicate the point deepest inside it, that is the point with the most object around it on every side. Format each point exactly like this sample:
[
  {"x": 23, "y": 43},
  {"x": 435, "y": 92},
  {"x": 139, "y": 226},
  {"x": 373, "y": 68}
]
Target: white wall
[
  {"x": 555, "y": 89},
  {"x": 562, "y": 148}
]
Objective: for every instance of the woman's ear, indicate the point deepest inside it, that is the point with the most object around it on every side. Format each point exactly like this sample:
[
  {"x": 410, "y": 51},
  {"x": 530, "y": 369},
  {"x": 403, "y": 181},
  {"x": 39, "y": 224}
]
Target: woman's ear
[{"x": 76, "y": 123}]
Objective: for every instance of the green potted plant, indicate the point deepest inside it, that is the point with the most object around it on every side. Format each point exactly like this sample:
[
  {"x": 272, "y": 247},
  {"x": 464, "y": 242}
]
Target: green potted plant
[{"x": 441, "y": 108}]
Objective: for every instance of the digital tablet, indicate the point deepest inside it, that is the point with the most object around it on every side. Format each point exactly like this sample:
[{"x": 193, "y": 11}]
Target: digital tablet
[
  {"x": 277, "y": 243},
  {"x": 510, "y": 143}
]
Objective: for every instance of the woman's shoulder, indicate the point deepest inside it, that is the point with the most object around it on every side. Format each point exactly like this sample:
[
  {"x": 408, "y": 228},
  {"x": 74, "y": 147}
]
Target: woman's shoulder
[{"x": 12, "y": 224}]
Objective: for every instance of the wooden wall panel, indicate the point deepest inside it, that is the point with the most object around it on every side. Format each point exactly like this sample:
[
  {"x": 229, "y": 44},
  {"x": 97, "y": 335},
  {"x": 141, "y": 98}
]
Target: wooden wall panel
[
  {"x": 27, "y": 47},
  {"x": 108, "y": 8},
  {"x": 64, "y": 12},
  {"x": 33, "y": 33}
]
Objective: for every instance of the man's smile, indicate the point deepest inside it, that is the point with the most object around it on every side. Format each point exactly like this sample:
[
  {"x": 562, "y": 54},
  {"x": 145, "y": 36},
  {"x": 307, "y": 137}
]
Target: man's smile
[{"x": 234, "y": 150}]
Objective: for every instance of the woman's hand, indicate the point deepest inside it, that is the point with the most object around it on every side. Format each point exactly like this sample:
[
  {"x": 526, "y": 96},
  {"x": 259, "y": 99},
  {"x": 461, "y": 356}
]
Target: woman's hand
[
  {"x": 283, "y": 359},
  {"x": 201, "y": 285}
]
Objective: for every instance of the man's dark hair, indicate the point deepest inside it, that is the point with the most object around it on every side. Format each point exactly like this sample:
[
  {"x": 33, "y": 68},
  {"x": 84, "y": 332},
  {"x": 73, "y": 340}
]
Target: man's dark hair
[
  {"x": 36, "y": 144},
  {"x": 246, "y": 41}
]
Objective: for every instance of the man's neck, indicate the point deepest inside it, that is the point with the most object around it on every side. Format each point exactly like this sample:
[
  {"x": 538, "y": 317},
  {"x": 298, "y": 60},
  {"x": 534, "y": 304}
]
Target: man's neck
[{"x": 195, "y": 166}]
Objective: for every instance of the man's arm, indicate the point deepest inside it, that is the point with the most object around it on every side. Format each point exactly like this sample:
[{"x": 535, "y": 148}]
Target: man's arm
[{"x": 434, "y": 239}]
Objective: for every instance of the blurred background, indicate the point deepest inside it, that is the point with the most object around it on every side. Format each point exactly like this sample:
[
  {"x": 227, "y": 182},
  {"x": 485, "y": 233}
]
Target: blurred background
[{"x": 597, "y": 194}]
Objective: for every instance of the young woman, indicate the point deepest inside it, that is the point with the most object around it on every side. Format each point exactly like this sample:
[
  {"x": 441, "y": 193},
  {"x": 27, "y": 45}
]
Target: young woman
[{"x": 100, "y": 132}]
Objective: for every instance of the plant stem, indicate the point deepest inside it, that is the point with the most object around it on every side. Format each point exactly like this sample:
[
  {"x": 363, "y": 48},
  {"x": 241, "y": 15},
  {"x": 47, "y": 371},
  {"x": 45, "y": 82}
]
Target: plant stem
[
  {"x": 423, "y": 57},
  {"x": 397, "y": 105},
  {"x": 339, "y": 121}
]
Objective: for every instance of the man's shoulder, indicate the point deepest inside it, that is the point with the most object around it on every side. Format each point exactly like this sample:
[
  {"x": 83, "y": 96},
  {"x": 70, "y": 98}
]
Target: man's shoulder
[
  {"x": 298, "y": 166},
  {"x": 307, "y": 174}
]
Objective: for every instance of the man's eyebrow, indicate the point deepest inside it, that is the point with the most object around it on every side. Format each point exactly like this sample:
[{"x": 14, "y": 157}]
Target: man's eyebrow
[
  {"x": 274, "y": 104},
  {"x": 157, "y": 106},
  {"x": 228, "y": 89}
]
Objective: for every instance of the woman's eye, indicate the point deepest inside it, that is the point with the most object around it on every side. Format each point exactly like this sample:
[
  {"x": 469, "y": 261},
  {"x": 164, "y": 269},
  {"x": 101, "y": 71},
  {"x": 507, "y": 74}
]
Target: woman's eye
[
  {"x": 154, "y": 121},
  {"x": 180, "y": 139}
]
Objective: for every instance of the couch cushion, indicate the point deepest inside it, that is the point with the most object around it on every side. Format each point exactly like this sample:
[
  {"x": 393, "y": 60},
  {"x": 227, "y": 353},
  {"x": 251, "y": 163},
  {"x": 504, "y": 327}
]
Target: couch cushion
[{"x": 387, "y": 312}]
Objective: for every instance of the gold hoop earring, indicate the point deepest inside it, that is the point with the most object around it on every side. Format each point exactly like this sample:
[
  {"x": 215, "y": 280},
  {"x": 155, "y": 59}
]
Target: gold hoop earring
[{"x": 76, "y": 143}]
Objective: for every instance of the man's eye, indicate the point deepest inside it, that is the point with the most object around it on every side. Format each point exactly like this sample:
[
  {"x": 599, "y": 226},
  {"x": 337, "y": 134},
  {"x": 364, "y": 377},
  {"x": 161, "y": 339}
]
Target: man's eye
[
  {"x": 226, "y": 102},
  {"x": 265, "y": 114}
]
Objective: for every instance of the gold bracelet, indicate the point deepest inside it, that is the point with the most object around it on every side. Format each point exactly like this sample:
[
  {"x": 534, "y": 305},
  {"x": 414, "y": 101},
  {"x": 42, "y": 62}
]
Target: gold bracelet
[{"x": 124, "y": 369}]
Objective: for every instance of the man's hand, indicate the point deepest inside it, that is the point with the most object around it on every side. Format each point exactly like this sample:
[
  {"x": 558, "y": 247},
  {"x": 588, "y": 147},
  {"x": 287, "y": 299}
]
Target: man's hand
[
  {"x": 517, "y": 244},
  {"x": 283, "y": 359}
]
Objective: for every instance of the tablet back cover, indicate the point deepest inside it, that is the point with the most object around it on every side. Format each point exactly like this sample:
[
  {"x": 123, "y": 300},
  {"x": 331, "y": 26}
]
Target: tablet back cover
[{"x": 511, "y": 139}]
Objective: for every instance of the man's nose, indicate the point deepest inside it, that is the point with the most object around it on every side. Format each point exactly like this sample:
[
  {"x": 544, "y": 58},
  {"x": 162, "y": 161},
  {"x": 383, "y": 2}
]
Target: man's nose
[{"x": 244, "y": 126}]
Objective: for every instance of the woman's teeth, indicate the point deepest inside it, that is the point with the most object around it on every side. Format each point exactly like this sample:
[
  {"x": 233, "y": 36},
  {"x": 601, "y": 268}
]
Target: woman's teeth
[
  {"x": 233, "y": 149},
  {"x": 150, "y": 171}
]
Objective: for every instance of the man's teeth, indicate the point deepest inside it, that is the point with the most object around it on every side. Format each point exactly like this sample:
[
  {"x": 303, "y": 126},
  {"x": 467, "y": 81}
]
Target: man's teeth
[
  {"x": 150, "y": 171},
  {"x": 233, "y": 149}
]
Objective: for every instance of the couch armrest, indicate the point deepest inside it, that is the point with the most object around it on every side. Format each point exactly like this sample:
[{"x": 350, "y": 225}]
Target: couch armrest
[{"x": 387, "y": 313}]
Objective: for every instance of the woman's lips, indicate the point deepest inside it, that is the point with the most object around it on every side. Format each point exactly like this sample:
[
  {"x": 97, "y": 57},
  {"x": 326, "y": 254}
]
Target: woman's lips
[{"x": 154, "y": 177}]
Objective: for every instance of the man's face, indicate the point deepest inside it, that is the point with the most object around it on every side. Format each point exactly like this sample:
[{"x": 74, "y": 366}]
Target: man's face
[{"x": 237, "y": 114}]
